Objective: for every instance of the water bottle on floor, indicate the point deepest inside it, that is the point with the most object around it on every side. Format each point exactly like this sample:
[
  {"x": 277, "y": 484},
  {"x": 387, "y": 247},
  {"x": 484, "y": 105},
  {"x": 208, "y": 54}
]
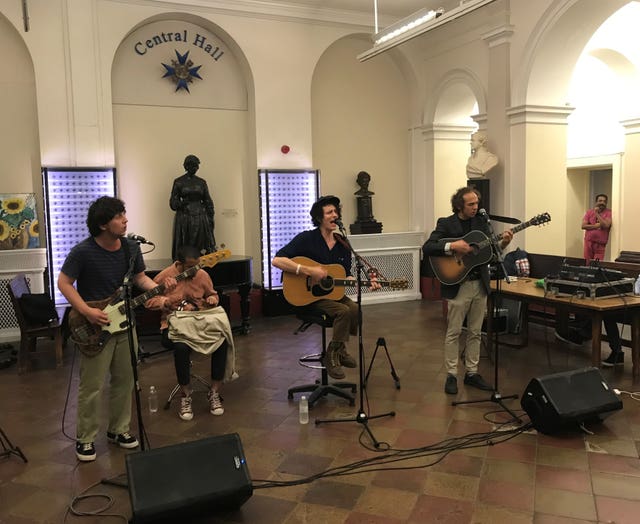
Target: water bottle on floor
[
  {"x": 153, "y": 399},
  {"x": 303, "y": 408}
]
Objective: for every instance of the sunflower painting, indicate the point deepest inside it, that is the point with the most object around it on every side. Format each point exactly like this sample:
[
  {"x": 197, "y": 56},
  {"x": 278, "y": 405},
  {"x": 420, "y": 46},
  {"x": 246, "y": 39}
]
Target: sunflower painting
[{"x": 18, "y": 221}]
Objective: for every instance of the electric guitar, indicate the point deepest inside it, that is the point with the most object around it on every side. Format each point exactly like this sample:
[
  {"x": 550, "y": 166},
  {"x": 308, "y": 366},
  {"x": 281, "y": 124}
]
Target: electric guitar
[
  {"x": 91, "y": 338},
  {"x": 454, "y": 269},
  {"x": 299, "y": 291}
]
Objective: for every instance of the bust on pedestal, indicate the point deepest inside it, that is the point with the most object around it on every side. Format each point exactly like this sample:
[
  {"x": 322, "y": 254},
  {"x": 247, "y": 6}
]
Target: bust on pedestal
[
  {"x": 481, "y": 160},
  {"x": 365, "y": 223}
]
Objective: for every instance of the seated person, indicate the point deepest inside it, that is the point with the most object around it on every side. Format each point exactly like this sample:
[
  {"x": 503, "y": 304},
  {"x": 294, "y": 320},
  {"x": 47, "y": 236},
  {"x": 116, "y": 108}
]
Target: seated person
[
  {"x": 194, "y": 293},
  {"x": 325, "y": 246},
  {"x": 579, "y": 330}
]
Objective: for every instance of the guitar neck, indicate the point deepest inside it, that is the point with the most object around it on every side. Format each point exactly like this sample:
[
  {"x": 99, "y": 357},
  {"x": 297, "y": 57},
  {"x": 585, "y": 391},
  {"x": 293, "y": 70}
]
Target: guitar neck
[
  {"x": 158, "y": 290},
  {"x": 516, "y": 229}
]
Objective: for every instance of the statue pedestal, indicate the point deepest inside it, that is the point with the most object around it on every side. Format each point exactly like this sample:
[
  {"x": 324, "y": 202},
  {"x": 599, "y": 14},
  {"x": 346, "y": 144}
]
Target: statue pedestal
[
  {"x": 364, "y": 228},
  {"x": 365, "y": 223}
]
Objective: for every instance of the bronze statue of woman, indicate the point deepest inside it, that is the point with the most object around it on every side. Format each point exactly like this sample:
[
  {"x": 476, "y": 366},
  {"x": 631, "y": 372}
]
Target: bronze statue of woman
[{"x": 193, "y": 224}]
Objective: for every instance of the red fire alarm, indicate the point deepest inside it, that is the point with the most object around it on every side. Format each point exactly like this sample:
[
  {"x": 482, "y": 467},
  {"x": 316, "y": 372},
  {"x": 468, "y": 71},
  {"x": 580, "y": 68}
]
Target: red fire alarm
[{"x": 285, "y": 149}]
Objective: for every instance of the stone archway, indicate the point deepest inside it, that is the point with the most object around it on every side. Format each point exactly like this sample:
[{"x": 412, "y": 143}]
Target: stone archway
[{"x": 157, "y": 122}]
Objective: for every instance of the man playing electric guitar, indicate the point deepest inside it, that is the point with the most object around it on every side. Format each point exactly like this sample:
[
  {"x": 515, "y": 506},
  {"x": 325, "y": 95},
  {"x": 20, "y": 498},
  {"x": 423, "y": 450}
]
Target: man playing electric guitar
[
  {"x": 468, "y": 298},
  {"x": 98, "y": 265},
  {"x": 321, "y": 245}
]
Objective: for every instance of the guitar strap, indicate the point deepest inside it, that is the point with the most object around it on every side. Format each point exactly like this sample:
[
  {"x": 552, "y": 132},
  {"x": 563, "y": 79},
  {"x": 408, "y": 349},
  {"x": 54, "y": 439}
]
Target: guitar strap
[
  {"x": 372, "y": 271},
  {"x": 125, "y": 247},
  {"x": 127, "y": 257}
]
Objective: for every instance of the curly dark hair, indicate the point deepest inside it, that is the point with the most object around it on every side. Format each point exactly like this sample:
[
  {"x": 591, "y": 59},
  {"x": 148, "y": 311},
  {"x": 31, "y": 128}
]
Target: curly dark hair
[
  {"x": 102, "y": 211},
  {"x": 317, "y": 212},
  {"x": 457, "y": 199}
]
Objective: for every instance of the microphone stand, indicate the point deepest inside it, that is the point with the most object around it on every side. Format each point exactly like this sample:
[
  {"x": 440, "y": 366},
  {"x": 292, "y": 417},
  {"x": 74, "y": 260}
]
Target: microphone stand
[
  {"x": 361, "y": 417},
  {"x": 127, "y": 285},
  {"x": 495, "y": 396},
  {"x": 126, "y": 295}
]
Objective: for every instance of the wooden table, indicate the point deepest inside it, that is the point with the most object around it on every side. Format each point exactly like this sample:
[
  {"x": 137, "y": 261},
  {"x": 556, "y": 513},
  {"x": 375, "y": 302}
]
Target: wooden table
[{"x": 525, "y": 290}]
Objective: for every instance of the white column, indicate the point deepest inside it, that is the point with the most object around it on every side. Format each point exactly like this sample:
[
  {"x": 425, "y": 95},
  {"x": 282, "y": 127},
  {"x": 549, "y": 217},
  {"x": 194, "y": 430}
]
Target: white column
[
  {"x": 628, "y": 190},
  {"x": 447, "y": 151},
  {"x": 538, "y": 174}
]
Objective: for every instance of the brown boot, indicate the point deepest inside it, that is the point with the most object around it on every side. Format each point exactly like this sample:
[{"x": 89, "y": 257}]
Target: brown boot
[
  {"x": 345, "y": 359},
  {"x": 331, "y": 362}
]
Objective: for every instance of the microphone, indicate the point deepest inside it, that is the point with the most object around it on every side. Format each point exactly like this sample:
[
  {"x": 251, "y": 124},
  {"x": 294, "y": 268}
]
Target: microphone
[
  {"x": 138, "y": 238},
  {"x": 339, "y": 223},
  {"x": 482, "y": 212}
]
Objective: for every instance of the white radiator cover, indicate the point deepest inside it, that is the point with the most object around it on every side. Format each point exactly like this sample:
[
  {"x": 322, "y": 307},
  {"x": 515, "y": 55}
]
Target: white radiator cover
[
  {"x": 396, "y": 255},
  {"x": 31, "y": 262}
]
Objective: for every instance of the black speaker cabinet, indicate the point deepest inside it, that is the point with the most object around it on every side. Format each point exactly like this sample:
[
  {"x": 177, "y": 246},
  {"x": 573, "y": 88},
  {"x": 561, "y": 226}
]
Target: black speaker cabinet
[
  {"x": 187, "y": 480},
  {"x": 565, "y": 400}
]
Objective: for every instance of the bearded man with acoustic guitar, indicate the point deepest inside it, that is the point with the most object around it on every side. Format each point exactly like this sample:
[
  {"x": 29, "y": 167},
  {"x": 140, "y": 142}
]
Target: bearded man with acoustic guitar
[
  {"x": 323, "y": 246},
  {"x": 97, "y": 266},
  {"x": 467, "y": 298}
]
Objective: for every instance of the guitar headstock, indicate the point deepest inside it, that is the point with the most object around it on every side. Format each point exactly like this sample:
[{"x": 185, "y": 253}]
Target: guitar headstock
[
  {"x": 212, "y": 259},
  {"x": 538, "y": 220}
]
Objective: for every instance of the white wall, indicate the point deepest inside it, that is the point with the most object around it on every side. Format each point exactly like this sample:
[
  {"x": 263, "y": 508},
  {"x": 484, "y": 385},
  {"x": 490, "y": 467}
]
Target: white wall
[{"x": 360, "y": 114}]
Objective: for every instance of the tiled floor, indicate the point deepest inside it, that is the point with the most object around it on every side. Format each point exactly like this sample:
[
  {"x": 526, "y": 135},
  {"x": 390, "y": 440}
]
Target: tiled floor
[{"x": 532, "y": 478}]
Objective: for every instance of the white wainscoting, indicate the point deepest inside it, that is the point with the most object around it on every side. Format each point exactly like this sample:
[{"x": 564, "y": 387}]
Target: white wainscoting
[
  {"x": 31, "y": 262},
  {"x": 396, "y": 255}
]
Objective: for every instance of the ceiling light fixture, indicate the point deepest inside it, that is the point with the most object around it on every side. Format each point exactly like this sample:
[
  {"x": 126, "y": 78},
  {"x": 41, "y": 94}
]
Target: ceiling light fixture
[
  {"x": 418, "y": 23},
  {"x": 406, "y": 24}
]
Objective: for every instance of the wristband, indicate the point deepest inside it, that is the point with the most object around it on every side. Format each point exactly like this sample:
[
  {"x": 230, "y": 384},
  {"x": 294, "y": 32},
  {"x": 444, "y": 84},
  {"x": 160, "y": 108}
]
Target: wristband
[{"x": 298, "y": 270}]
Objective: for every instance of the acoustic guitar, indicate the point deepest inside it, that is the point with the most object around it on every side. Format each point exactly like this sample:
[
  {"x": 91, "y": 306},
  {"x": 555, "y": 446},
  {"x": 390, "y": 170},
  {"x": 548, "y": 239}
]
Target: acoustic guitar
[
  {"x": 91, "y": 338},
  {"x": 453, "y": 269},
  {"x": 299, "y": 291}
]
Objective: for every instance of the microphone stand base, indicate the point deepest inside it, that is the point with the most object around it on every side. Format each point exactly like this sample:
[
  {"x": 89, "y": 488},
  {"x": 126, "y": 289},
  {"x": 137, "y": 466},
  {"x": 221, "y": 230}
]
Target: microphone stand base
[
  {"x": 360, "y": 418},
  {"x": 497, "y": 398}
]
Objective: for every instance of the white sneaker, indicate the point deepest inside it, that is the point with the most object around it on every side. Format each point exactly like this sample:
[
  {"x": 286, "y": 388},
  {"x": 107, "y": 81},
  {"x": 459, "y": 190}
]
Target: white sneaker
[
  {"x": 185, "y": 413},
  {"x": 215, "y": 403}
]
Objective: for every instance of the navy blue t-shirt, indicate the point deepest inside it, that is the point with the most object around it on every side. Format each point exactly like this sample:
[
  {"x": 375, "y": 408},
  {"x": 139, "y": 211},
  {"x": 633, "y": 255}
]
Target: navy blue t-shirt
[
  {"x": 98, "y": 272},
  {"x": 312, "y": 245}
]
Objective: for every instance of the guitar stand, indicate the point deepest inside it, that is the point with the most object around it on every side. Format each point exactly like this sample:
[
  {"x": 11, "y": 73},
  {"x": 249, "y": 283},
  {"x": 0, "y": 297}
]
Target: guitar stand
[
  {"x": 8, "y": 448},
  {"x": 382, "y": 343}
]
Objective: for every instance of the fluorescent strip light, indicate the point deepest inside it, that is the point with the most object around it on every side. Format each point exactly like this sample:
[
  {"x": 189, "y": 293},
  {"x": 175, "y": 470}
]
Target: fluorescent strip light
[
  {"x": 420, "y": 17},
  {"x": 416, "y": 25}
]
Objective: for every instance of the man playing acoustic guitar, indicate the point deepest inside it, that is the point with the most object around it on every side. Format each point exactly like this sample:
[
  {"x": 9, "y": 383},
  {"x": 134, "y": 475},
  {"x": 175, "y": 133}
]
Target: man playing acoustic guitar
[
  {"x": 98, "y": 266},
  {"x": 322, "y": 246},
  {"x": 468, "y": 298}
]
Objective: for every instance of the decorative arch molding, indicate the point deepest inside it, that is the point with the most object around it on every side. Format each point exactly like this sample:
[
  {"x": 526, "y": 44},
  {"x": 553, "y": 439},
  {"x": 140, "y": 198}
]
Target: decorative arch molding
[
  {"x": 454, "y": 99},
  {"x": 544, "y": 74},
  {"x": 19, "y": 126},
  {"x": 207, "y": 25}
]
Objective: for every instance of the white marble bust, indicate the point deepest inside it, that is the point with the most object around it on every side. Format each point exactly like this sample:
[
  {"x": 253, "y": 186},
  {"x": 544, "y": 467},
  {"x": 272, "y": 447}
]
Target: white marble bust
[{"x": 481, "y": 160}]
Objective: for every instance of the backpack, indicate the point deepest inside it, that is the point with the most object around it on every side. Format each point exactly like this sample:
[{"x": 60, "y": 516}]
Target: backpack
[{"x": 516, "y": 263}]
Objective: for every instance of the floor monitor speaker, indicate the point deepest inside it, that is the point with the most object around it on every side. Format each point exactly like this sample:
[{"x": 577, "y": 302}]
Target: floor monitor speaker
[
  {"x": 187, "y": 480},
  {"x": 565, "y": 400}
]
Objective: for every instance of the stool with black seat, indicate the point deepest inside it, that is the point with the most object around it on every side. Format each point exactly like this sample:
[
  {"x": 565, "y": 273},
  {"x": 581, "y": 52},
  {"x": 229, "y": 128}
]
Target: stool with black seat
[{"x": 320, "y": 388}]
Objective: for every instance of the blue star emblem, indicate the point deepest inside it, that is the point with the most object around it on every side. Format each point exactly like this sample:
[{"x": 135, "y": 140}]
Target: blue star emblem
[{"x": 181, "y": 71}]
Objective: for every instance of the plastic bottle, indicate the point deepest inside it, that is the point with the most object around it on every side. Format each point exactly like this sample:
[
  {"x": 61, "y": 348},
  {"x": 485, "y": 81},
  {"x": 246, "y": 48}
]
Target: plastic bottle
[
  {"x": 303, "y": 408},
  {"x": 153, "y": 399},
  {"x": 636, "y": 286}
]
